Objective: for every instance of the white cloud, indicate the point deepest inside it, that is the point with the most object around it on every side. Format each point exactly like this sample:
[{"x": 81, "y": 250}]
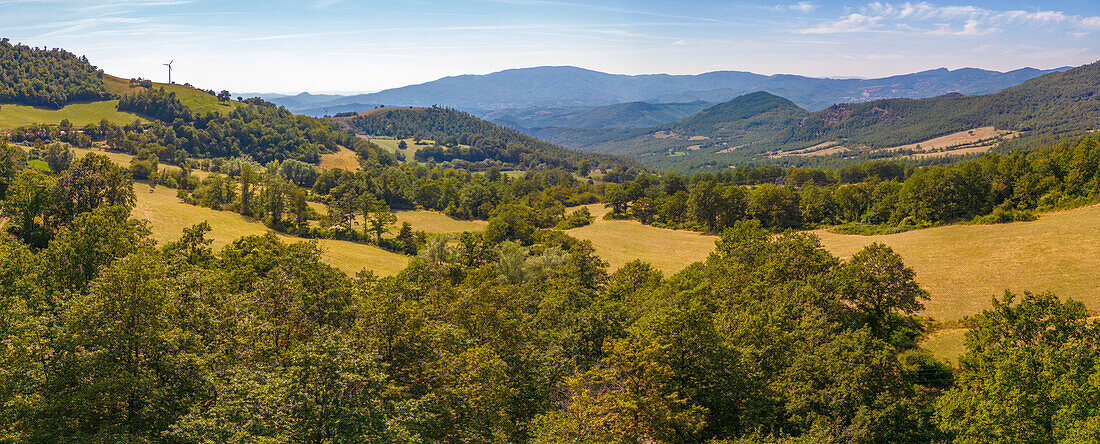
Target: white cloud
[
  {"x": 964, "y": 20},
  {"x": 803, "y": 6},
  {"x": 850, "y": 23}
]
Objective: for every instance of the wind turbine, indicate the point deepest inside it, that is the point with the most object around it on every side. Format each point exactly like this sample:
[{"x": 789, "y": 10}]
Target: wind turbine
[{"x": 169, "y": 65}]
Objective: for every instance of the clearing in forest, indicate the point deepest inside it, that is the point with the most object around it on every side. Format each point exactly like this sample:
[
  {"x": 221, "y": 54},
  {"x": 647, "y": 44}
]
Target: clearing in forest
[
  {"x": 621, "y": 241},
  {"x": 168, "y": 217},
  {"x": 343, "y": 158}
]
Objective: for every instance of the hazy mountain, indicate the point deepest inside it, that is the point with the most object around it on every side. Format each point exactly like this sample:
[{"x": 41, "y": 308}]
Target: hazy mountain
[
  {"x": 620, "y": 115},
  {"x": 569, "y": 87}
]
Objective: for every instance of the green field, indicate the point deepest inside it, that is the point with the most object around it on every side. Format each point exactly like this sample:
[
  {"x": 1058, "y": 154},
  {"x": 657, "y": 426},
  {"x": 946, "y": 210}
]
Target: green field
[
  {"x": 621, "y": 241},
  {"x": 79, "y": 114}
]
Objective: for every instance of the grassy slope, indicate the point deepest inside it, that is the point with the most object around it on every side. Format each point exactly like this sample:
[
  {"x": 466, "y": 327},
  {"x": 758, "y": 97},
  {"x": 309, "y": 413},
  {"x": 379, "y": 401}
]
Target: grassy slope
[
  {"x": 168, "y": 217},
  {"x": 194, "y": 99},
  {"x": 621, "y": 241},
  {"x": 964, "y": 266},
  {"x": 80, "y": 114}
]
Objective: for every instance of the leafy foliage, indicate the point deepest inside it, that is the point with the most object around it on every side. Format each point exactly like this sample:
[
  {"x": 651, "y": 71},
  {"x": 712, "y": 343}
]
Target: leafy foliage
[
  {"x": 52, "y": 78},
  {"x": 156, "y": 103}
]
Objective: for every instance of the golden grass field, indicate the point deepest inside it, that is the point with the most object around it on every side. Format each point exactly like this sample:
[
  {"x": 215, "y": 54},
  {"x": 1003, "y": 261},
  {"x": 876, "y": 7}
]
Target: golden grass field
[
  {"x": 168, "y": 216},
  {"x": 964, "y": 266},
  {"x": 621, "y": 241},
  {"x": 947, "y": 345},
  {"x": 344, "y": 159}
]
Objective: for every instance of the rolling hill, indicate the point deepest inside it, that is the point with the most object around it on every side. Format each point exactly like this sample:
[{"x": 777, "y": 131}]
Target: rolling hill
[
  {"x": 1054, "y": 105},
  {"x": 620, "y": 115},
  {"x": 475, "y": 140}
]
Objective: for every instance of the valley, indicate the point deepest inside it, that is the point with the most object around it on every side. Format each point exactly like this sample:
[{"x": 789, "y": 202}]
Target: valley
[{"x": 550, "y": 254}]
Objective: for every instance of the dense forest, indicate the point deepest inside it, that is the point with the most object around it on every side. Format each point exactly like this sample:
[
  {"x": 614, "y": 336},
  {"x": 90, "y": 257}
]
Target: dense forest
[
  {"x": 111, "y": 338},
  {"x": 483, "y": 139},
  {"x": 52, "y": 78},
  {"x": 873, "y": 197}
]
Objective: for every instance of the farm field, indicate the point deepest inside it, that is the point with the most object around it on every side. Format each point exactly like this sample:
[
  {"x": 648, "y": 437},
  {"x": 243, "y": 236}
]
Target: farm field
[
  {"x": 964, "y": 266},
  {"x": 80, "y": 114},
  {"x": 621, "y": 241},
  {"x": 168, "y": 217}
]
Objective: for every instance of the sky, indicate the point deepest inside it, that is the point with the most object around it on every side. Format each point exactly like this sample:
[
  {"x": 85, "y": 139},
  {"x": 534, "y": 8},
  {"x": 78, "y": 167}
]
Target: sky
[{"x": 361, "y": 46}]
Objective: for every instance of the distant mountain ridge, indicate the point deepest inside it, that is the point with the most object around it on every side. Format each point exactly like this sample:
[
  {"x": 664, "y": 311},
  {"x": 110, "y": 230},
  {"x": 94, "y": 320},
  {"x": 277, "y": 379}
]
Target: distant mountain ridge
[
  {"x": 568, "y": 86},
  {"x": 763, "y": 127}
]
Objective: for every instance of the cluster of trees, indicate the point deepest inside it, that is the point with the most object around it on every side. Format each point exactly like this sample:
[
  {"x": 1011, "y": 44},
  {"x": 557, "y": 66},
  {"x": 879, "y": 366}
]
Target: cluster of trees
[
  {"x": 110, "y": 338},
  {"x": 278, "y": 194},
  {"x": 155, "y": 103},
  {"x": 53, "y": 78},
  {"x": 38, "y": 205},
  {"x": 993, "y": 188},
  {"x": 263, "y": 133},
  {"x": 484, "y": 139}
]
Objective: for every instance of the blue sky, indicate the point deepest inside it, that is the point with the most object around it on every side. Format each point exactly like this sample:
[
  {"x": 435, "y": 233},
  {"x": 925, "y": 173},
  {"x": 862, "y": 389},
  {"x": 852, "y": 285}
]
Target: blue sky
[{"x": 334, "y": 45}]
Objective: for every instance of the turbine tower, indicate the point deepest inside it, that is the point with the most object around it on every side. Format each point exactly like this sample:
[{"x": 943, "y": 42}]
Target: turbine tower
[{"x": 169, "y": 65}]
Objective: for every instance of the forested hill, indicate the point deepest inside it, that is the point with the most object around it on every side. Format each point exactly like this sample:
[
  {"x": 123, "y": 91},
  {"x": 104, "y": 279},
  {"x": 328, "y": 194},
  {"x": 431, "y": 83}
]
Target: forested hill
[
  {"x": 1053, "y": 104},
  {"x": 53, "y": 78},
  {"x": 483, "y": 139},
  {"x": 764, "y": 128}
]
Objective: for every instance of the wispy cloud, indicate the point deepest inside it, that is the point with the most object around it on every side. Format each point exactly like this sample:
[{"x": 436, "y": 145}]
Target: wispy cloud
[{"x": 960, "y": 20}]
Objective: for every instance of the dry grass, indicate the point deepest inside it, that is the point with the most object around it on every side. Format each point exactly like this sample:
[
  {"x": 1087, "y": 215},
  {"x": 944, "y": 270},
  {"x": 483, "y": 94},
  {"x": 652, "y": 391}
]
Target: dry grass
[
  {"x": 168, "y": 217},
  {"x": 344, "y": 159},
  {"x": 821, "y": 149},
  {"x": 964, "y": 266},
  {"x": 947, "y": 345},
  {"x": 621, "y": 241},
  {"x": 436, "y": 222}
]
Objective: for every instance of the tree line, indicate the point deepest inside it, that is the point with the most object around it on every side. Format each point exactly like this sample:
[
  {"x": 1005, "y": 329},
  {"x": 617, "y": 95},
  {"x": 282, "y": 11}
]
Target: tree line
[{"x": 874, "y": 196}]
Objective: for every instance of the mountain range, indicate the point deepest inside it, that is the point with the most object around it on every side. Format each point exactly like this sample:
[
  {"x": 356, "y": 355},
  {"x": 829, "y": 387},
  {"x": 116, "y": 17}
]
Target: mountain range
[
  {"x": 762, "y": 127},
  {"x": 526, "y": 97}
]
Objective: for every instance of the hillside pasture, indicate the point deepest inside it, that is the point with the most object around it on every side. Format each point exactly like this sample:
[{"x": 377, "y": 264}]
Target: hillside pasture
[
  {"x": 194, "y": 99},
  {"x": 79, "y": 114},
  {"x": 964, "y": 266},
  {"x": 344, "y": 159},
  {"x": 622, "y": 241}
]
